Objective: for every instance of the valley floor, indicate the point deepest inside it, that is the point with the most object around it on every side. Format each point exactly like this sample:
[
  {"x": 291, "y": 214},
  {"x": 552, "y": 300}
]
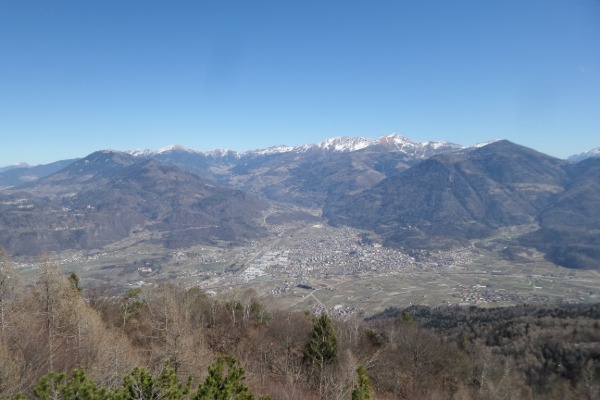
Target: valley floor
[{"x": 315, "y": 266}]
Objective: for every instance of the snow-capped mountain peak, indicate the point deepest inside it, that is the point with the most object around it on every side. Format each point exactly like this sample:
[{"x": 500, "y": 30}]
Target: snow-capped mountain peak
[
  {"x": 586, "y": 154},
  {"x": 273, "y": 150},
  {"x": 141, "y": 152},
  {"x": 345, "y": 143},
  {"x": 478, "y": 145},
  {"x": 395, "y": 138},
  {"x": 164, "y": 150},
  {"x": 338, "y": 144},
  {"x": 217, "y": 153},
  {"x": 175, "y": 147}
]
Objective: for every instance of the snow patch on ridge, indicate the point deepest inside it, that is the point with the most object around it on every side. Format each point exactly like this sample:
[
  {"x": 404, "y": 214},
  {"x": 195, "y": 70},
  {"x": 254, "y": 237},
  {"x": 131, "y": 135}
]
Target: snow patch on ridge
[
  {"x": 273, "y": 150},
  {"x": 140, "y": 152},
  {"x": 346, "y": 144},
  {"x": 341, "y": 144},
  {"x": 482, "y": 144},
  {"x": 175, "y": 147},
  {"x": 586, "y": 154}
]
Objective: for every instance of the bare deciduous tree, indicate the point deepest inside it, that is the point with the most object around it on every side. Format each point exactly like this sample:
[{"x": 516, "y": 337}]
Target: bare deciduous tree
[{"x": 9, "y": 287}]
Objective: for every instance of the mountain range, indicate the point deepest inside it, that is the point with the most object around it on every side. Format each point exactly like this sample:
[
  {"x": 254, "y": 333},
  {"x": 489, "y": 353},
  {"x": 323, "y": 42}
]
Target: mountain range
[
  {"x": 305, "y": 175},
  {"x": 458, "y": 196},
  {"x": 412, "y": 195},
  {"x": 108, "y": 196},
  {"x": 586, "y": 154}
]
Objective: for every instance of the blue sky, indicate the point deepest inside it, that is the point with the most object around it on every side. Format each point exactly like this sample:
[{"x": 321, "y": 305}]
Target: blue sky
[{"x": 78, "y": 76}]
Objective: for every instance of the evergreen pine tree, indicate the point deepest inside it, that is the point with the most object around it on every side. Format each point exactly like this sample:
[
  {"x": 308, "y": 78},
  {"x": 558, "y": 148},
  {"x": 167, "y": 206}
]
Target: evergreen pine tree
[
  {"x": 140, "y": 384},
  {"x": 322, "y": 348},
  {"x": 55, "y": 385},
  {"x": 362, "y": 391},
  {"x": 224, "y": 385}
]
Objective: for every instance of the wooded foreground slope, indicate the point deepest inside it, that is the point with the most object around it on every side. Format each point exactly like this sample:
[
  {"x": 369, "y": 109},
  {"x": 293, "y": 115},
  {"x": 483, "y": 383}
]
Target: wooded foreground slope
[{"x": 526, "y": 352}]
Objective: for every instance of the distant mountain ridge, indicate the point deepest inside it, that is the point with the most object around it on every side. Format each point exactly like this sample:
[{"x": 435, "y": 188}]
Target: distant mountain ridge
[
  {"x": 18, "y": 165},
  {"x": 108, "y": 196},
  {"x": 343, "y": 144},
  {"x": 24, "y": 173},
  {"x": 393, "y": 142},
  {"x": 586, "y": 154},
  {"x": 214, "y": 164},
  {"x": 306, "y": 175},
  {"x": 414, "y": 195},
  {"x": 449, "y": 199},
  {"x": 455, "y": 196}
]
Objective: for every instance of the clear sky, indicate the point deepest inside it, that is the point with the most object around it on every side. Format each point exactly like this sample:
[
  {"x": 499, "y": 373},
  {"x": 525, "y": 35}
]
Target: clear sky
[{"x": 78, "y": 76}]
